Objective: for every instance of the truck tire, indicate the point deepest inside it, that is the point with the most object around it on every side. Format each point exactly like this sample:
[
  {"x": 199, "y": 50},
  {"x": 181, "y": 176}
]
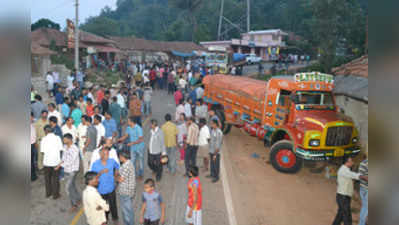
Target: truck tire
[
  {"x": 283, "y": 158},
  {"x": 225, "y": 126}
]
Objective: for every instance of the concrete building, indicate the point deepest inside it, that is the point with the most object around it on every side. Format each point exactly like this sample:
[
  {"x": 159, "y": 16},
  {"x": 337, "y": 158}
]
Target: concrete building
[
  {"x": 261, "y": 43},
  {"x": 351, "y": 94}
]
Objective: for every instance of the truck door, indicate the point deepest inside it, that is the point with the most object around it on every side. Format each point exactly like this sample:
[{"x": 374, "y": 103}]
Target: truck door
[{"x": 282, "y": 107}]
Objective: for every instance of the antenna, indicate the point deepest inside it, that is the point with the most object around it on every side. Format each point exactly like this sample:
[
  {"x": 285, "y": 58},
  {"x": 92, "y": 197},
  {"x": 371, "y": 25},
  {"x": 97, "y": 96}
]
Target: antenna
[{"x": 241, "y": 22}]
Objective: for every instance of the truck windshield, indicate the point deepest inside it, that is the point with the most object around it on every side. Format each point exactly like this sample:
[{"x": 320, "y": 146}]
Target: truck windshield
[{"x": 314, "y": 99}]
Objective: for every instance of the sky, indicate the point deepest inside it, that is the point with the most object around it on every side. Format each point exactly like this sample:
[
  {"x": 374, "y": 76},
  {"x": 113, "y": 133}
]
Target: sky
[{"x": 60, "y": 10}]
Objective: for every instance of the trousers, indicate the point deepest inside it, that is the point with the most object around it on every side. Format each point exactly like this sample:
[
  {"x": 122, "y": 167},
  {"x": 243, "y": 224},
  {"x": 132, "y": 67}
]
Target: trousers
[
  {"x": 190, "y": 157},
  {"x": 52, "y": 181},
  {"x": 86, "y": 161},
  {"x": 138, "y": 156},
  {"x": 126, "y": 203},
  {"x": 172, "y": 156},
  {"x": 70, "y": 188},
  {"x": 33, "y": 153},
  {"x": 110, "y": 198},
  {"x": 365, "y": 210},
  {"x": 154, "y": 162},
  {"x": 344, "y": 210},
  {"x": 215, "y": 165}
]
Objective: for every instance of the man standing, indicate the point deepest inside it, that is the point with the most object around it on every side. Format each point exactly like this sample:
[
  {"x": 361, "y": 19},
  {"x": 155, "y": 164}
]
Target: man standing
[
  {"x": 179, "y": 110},
  {"x": 187, "y": 108},
  {"x": 105, "y": 102},
  {"x": 147, "y": 100},
  {"x": 100, "y": 129},
  {"x": 69, "y": 128},
  {"x": 364, "y": 171},
  {"x": 116, "y": 113},
  {"x": 65, "y": 110},
  {"x": 194, "y": 203},
  {"x": 110, "y": 126},
  {"x": 213, "y": 116},
  {"x": 156, "y": 147},
  {"x": 90, "y": 143},
  {"x": 50, "y": 83},
  {"x": 345, "y": 191},
  {"x": 76, "y": 114},
  {"x": 127, "y": 187},
  {"x": 215, "y": 147},
  {"x": 190, "y": 158},
  {"x": 54, "y": 124},
  {"x": 107, "y": 169},
  {"x": 136, "y": 144},
  {"x": 33, "y": 150},
  {"x": 112, "y": 153},
  {"x": 39, "y": 127},
  {"x": 204, "y": 137},
  {"x": 51, "y": 147},
  {"x": 170, "y": 132},
  {"x": 135, "y": 108},
  {"x": 70, "y": 163},
  {"x": 201, "y": 111},
  {"x": 38, "y": 107},
  {"x": 94, "y": 205}
]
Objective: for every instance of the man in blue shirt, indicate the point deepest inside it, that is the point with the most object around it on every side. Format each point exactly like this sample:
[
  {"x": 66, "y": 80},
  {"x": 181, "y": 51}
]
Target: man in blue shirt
[
  {"x": 107, "y": 169},
  {"x": 59, "y": 97},
  {"x": 110, "y": 126},
  {"x": 65, "y": 110},
  {"x": 136, "y": 144}
]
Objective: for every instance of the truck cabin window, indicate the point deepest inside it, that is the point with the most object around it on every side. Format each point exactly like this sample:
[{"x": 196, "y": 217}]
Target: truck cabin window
[{"x": 314, "y": 100}]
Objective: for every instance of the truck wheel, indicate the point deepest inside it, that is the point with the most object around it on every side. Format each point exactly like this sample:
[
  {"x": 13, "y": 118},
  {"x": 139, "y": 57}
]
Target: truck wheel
[{"x": 283, "y": 158}]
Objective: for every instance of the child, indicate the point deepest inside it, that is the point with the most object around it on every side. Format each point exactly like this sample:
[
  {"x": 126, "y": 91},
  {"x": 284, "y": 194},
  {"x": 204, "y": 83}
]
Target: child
[
  {"x": 153, "y": 208},
  {"x": 194, "y": 203}
]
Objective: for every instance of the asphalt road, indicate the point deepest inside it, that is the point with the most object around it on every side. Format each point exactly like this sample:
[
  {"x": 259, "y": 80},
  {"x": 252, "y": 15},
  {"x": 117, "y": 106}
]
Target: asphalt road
[{"x": 172, "y": 188}]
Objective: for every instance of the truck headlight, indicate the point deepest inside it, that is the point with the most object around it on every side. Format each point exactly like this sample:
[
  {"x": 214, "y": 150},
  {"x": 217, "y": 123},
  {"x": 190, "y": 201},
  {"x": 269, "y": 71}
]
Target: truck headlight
[
  {"x": 314, "y": 143},
  {"x": 354, "y": 140}
]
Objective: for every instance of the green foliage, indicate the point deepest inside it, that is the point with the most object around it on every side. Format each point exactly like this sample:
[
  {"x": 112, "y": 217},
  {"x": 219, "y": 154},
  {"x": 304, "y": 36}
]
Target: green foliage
[
  {"x": 62, "y": 59},
  {"x": 45, "y": 23}
]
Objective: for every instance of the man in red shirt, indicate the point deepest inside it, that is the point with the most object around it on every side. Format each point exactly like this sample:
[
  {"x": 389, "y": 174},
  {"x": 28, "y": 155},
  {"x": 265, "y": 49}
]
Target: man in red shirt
[
  {"x": 194, "y": 204},
  {"x": 100, "y": 95}
]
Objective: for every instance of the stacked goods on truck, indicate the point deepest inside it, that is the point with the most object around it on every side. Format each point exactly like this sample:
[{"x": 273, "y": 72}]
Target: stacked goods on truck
[{"x": 295, "y": 115}]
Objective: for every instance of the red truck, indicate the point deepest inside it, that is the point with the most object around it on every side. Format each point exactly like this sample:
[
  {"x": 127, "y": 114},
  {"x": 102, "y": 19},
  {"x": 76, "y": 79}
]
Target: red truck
[{"x": 295, "y": 115}]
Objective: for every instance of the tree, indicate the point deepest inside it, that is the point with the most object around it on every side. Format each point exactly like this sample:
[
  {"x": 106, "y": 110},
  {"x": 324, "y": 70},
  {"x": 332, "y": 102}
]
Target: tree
[
  {"x": 45, "y": 23},
  {"x": 101, "y": 26},
  {"x": 190, "y": 7}
]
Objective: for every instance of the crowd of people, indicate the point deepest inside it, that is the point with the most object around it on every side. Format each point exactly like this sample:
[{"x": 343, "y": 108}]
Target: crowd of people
[{"x": 98, "y": 131}]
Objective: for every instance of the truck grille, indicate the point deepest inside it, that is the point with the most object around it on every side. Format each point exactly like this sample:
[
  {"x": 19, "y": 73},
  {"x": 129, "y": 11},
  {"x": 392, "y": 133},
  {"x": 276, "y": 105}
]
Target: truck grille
[{"x": 339, "y": 136}]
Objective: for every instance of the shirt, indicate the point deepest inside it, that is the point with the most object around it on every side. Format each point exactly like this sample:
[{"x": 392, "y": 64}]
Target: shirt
[
  {"x": 70, "y": 159},
  {"x": 57, "y": 115},
  {"x": 182, "y": 132},
  {"x": 179, "y": 111},
  {"x": 128, "y": 185},
  {"x": 178, "y": 96},
  {"x": 201, "y": 111},
  {"x": 39, "y": 126},
  {"x": 96, "y": 156},
  {"x": 100, "y": 96},
  {"x": 120, "y": 100},
  {"x": 200, "y": 92},
  {"x": 187, "y": 110},
  {"x": 364, "y": 171},
  {"x": 204, "y": 135},
  {"x": 100, "y": 133},
  {"x": 192, "y": 134},
  {"x": 116, "y": 111},
  {"x": 81, "y": 133},
  {"x": 110, "y": 127},
  {"x": 134, "y": 134},
  {"x": 106, "y": 183},
  {"x": 92, "y": 135},
  {"x": 104, "y": 105},
  {"x": 65, "y": 110},
  {"x": 70, "y": 130},
  {"x": 135, "y": 107},
  {"x": 90, "y": 110},
  {"x": 182, "y": 83},
  {"x": 70, "y": 82},
  {"x": 37, "y": 109},
  {"x": 76, "y": 116},
  {"x": 91, "y": 200},
  {"x": 51, "y": 146},
  {"x": 170, "y": 132},
  {"x": 147, "y": 94},
  {"x": 216, "y": 140},
  {"x": 194, "y": 183},
  {"x": 153, "y": 205},
  {"x": 345, "y": 181},
  {"x": 32, "y": 134},
  {"x": 59, "y": 98}
]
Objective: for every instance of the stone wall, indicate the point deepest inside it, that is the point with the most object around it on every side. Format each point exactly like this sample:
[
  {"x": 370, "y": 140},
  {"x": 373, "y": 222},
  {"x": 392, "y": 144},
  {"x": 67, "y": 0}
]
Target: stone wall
[{"x": 358, "y": 111}]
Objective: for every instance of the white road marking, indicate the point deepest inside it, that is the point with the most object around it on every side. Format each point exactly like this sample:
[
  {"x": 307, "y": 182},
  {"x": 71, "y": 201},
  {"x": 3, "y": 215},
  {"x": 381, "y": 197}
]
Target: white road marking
[{"x": 227, "y": 193}]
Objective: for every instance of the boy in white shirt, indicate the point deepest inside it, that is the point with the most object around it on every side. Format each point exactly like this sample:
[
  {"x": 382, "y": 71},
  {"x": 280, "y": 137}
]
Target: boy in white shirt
[{"x": 203, "y": 141}]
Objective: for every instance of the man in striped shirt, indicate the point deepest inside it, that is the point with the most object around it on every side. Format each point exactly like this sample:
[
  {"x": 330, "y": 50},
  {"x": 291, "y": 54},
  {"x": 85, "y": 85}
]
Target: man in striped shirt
[
  {"x": 364, "y": 171},
  {"x": 127, "y": 187},
  {"x": 192, "y": 144}
]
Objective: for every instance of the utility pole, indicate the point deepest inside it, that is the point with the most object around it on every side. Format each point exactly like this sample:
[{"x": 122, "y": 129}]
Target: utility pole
[
  {"x": 77, "y": 35},
  {"x": 220, "y": 20},
  {"x": 248, "y": 15}
]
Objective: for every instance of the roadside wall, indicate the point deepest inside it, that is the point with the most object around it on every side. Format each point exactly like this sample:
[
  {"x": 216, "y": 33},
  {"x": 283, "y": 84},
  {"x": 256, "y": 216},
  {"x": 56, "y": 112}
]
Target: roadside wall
[{"x": 358, "y": 111}]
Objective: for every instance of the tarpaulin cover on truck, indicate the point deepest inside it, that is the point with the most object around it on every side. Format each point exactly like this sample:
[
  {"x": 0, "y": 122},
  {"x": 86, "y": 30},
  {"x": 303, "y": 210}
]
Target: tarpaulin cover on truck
[{"x": 247, "y": 86}]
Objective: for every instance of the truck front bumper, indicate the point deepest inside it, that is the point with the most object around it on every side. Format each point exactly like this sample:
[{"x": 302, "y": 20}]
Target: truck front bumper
[{"x": 319, "y": 155}]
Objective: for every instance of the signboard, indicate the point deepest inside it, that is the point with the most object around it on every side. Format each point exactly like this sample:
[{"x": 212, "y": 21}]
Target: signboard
[
  {"x": 217, "y": 48},
  {"x": 70, "y": 33},
  {"x": 314, "y": 76}
]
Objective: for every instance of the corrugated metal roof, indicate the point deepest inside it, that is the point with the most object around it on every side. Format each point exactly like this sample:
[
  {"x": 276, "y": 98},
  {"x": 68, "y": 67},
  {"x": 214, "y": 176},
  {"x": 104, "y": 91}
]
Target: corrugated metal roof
[{"x": 352, "y": 86}]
